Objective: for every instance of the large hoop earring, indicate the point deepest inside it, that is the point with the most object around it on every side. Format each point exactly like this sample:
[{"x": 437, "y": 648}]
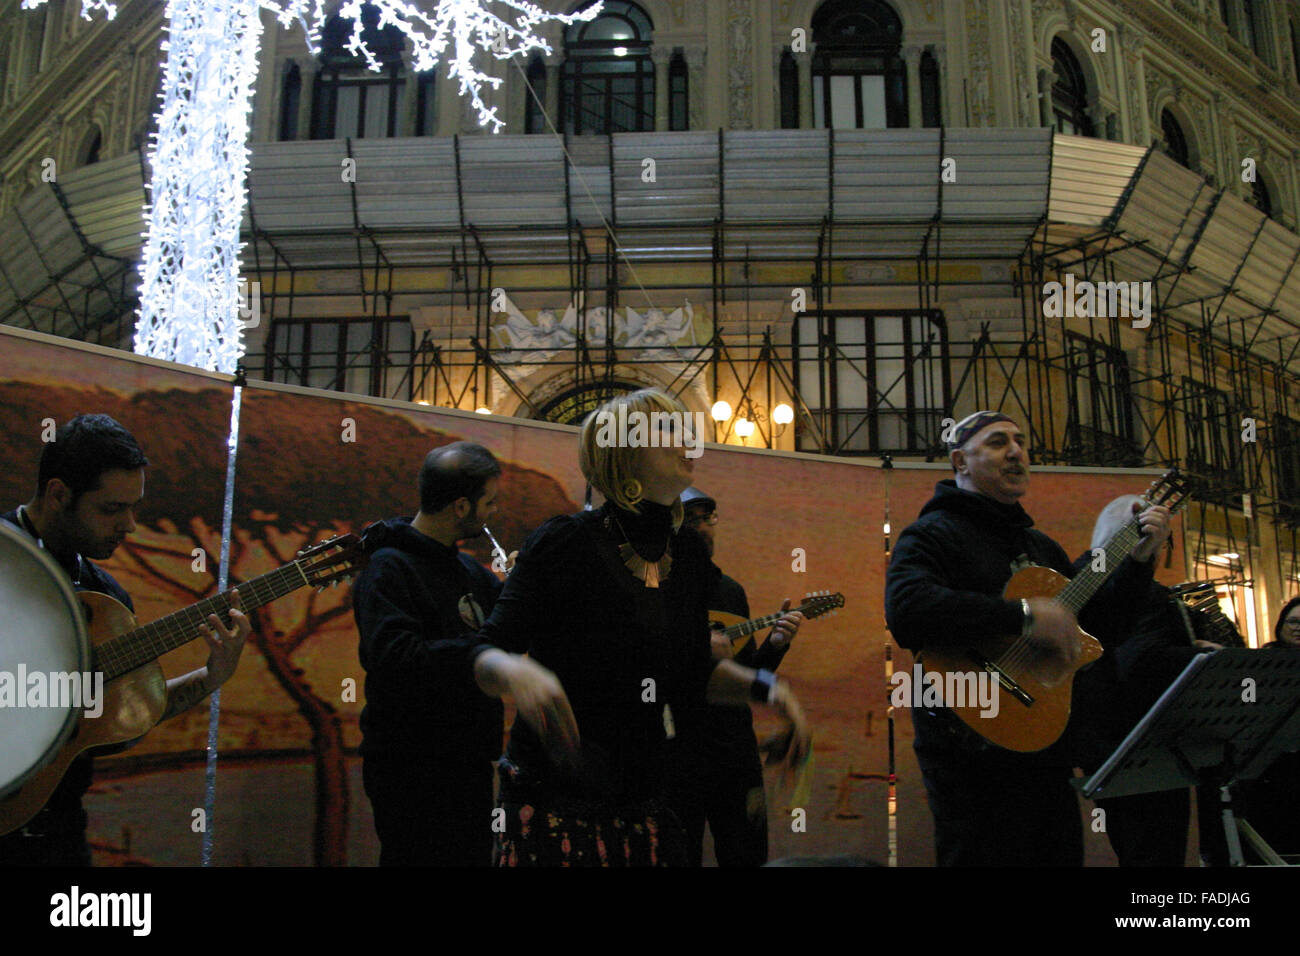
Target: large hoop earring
[{"x": 632, "y": 491}]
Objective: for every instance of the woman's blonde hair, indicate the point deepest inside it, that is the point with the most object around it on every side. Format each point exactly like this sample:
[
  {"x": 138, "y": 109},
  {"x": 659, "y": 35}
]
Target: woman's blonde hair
[{"x": 610, "y": 467}]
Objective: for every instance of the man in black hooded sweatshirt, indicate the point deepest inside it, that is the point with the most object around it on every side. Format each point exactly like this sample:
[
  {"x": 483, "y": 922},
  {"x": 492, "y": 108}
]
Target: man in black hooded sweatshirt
[
  {"x": 429, "y": 734},
  {"x": 993, "y": 807}
]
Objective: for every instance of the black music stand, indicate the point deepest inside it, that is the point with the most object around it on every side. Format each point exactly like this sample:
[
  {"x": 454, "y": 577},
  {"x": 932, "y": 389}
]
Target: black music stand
[{"x": 1203, "y": 731}]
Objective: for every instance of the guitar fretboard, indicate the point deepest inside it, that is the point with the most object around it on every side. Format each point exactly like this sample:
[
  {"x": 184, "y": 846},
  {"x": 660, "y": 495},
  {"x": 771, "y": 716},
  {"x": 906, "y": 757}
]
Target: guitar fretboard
[
  {"x": 1085, "y": 584},
  {"x": 135, "y": 648},
  {"x": 746, "y": 628}
]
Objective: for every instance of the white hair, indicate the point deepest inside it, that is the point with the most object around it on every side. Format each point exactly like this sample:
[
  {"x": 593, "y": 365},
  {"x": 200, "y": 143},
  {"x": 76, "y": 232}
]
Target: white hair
[{"x": 1113, "y": 517}]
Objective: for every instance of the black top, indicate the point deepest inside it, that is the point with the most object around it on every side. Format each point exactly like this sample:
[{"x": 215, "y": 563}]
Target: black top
[
  {"x": 1147, "y": 646},
  {"x": 621, "y": 650},
  {"x": 944, "y": 585},
  {"x": 63, "y": 810},
  {"x": 416, "y": 621},
  {"x": 1268, "y": 802},
  {"x": 728, "y": 595}
]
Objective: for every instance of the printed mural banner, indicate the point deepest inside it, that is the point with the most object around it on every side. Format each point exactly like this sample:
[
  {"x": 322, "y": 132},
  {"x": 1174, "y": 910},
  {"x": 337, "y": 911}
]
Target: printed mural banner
[{"x": 311, "y": 464}]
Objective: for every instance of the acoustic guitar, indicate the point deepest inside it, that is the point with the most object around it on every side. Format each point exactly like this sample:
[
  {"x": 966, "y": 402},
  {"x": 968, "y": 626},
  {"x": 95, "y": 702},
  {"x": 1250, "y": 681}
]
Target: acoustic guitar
[
  {"x": 738, "y": 629},
  {"x": 1034, "y": 688},
  {"x": 134, "y": 690}
]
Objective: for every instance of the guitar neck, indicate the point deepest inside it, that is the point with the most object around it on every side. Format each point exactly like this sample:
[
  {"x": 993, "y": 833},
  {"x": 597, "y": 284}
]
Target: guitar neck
[
  {"x": 135, "y": 648},
  {"x": 745, "y": 628},
  {"x": 1086, "y": 583}
]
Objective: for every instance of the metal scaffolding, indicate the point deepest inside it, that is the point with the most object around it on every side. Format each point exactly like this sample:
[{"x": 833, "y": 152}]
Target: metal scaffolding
[{"x": 740, "y": 221}]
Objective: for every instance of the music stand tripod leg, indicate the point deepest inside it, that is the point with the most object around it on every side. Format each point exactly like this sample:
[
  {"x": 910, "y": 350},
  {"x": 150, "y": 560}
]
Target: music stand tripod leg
[
  {"x": 1259, "y": 845},
  {"x": 1235, "y": 856}
]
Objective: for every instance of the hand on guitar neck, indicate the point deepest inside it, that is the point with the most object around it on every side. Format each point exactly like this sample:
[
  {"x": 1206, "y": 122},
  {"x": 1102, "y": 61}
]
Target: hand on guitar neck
[
  {"x": 224, "y": 647},
  {"x": 1154, "y": 523},
  {"x": 1054, "y": 638},
  {"x": 784, "y": 630},
  {"x": 782, "y": 633}
]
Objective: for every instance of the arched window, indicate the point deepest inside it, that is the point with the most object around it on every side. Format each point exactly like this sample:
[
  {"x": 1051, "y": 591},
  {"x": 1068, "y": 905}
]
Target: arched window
[
  {"x": 931, "y": 109},
  {"x": 609, "y": 79},
  {"x": 789, "y": 74},
  {"x": 1175, "y": 141},
  {"x": 678, "y": 93},
  {"x": 36, "y": 21},
  {"x": 348, "y": 99},
  {"x": 90, "y": 146},
  {"x": 859, "y": 80},
  {"x": 1260, "y": 197},
  {"x": 290, "y": 99},
  {"x": 1253, "y": 27},
  {"x": 534, "y": 114},
  {"x": 1069, "y": 92}
]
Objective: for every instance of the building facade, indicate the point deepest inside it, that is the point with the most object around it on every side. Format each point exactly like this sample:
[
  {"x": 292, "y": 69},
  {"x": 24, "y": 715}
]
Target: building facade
[{"x": 870, "y": 213}]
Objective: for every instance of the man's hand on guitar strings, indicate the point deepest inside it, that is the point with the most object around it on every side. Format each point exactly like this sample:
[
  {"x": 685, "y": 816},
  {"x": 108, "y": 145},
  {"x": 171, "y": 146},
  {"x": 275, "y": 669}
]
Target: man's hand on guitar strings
[
  {"x": 225, "y": 644},
  {"x": 1156, "y": 530},
  {"x": 1055, "y": 637}
]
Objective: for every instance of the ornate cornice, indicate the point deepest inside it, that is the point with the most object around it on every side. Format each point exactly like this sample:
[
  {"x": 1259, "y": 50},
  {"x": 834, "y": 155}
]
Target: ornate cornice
[
  {"x": 94, "y": 49},
  {"x": 1198, "y": 53}
]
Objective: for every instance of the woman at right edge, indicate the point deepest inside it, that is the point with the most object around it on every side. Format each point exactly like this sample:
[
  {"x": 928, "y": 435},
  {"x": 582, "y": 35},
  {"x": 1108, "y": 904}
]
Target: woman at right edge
[{"x": 611, "y": 604}]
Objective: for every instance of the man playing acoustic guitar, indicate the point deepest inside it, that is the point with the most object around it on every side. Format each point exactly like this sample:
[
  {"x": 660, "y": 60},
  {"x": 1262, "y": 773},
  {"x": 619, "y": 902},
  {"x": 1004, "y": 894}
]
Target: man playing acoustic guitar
[
  {"x": 90, "y": 481},
  {"x": 944, "y": 589}
]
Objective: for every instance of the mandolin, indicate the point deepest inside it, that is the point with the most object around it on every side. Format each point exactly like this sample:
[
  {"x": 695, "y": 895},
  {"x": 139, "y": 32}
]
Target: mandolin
[
  {"x": 1034, "y": 689},
  {"x": 134, "y": 690},
  {"x": 738, "y": 629}
]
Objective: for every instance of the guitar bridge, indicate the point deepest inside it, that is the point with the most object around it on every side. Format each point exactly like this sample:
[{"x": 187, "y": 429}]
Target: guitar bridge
[{"x": 1005, "y": 681}]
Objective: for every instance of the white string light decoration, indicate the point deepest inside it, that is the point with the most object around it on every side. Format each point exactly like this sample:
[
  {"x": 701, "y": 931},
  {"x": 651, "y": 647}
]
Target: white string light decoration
[{"x": 190, "y": 291}]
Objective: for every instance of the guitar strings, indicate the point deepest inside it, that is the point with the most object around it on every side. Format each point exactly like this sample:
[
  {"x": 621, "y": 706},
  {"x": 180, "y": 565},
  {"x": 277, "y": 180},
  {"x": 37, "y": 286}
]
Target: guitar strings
[
  {"x": 1017, "y": 654},
  {"x": 150, "y": 641}
]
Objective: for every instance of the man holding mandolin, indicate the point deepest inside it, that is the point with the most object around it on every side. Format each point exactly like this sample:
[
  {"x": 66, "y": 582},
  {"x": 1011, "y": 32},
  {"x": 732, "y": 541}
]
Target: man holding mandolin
[
  {"x": 999, "y": 789},
  {"x": 90, "y": 481},
  {"x": 722, "y": 768}
]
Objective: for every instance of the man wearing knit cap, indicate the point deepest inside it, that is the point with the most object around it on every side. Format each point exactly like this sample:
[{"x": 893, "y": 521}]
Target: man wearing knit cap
[{"x": 994, "y": 807}]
